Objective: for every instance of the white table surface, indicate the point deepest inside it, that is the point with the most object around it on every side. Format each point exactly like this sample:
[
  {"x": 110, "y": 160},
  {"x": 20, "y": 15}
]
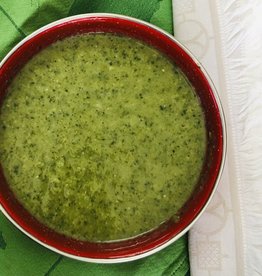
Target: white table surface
[{"x": 226, "y": 36}]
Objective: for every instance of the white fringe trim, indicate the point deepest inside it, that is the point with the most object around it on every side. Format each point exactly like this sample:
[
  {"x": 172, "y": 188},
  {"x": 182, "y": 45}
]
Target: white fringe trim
[{"x": 242, "y": 39}]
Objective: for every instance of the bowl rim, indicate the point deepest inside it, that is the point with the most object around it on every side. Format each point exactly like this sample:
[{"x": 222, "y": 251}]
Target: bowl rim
[{"x": 223, "y": 125}]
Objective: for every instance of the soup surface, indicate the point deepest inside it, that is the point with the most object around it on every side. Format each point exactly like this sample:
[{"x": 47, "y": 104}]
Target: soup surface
[{"x": 101, "y": 137}]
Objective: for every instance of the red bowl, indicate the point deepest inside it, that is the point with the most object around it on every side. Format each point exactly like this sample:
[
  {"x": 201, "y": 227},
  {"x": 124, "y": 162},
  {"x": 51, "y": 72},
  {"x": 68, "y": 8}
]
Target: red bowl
[{"x": 168, "y": 232}]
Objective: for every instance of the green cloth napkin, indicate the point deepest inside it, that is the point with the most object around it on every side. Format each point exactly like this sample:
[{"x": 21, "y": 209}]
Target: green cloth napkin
[{"x": 19, "y": 255}]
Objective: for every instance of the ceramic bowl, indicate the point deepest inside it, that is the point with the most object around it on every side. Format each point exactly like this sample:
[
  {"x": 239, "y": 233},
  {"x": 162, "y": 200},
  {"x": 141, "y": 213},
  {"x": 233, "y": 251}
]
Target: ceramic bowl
[{"x": 167, "y": 233}]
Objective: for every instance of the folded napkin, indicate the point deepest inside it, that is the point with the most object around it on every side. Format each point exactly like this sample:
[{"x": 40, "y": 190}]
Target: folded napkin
[{"x": 19, "y": 255}]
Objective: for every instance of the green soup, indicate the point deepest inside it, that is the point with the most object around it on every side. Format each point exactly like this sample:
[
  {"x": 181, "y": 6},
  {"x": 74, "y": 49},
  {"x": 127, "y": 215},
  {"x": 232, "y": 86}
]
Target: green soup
[{"x": 101, "y": 137}]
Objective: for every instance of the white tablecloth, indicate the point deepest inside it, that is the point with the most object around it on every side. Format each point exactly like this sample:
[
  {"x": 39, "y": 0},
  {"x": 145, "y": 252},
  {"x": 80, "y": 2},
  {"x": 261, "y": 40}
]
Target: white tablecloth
[{"x": 226, "y": 36}]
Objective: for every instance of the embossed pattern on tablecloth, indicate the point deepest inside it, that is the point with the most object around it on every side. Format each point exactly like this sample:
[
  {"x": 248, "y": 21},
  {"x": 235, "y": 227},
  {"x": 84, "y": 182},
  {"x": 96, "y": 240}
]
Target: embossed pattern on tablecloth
[{"x": 227, "y": 238}]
